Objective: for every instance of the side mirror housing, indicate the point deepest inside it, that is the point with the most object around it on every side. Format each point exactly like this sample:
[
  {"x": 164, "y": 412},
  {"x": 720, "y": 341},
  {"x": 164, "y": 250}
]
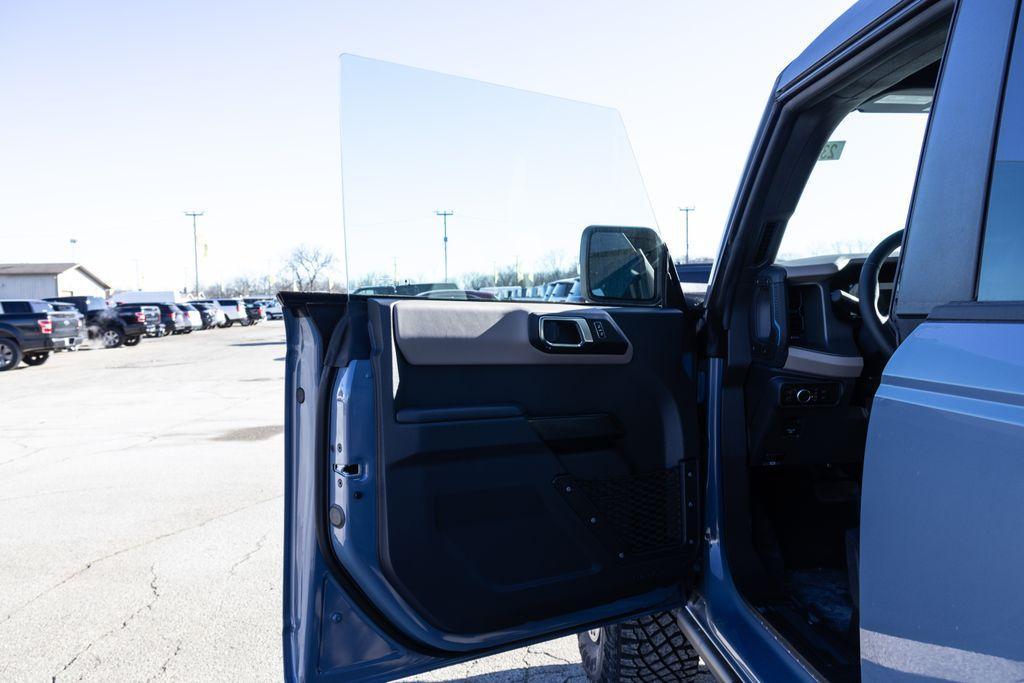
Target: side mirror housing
[{"x": 620, "y": 265}]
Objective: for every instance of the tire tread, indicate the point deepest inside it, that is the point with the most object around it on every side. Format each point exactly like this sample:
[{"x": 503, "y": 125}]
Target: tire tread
[{"x": 649, "y": 648}]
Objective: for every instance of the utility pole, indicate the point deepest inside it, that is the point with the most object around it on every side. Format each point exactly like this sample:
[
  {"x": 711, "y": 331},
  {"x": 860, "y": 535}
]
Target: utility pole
[
  {"x": 394, "y": 265},
  {"x": 195, "y": 244},
  {"x": 444, "y": 216},
  {"x": 686, "y": 211}
]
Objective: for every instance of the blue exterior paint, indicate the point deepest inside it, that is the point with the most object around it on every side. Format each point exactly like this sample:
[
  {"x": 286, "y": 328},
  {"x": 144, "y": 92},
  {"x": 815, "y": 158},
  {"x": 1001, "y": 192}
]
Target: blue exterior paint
[
  {"x": 941, "y": 541},
  {"x": 303, "y": 573},
  {"x": 747, "y": 643},
  {"x": 310, "y": 596},
  {"x": 850, "y": 23}
]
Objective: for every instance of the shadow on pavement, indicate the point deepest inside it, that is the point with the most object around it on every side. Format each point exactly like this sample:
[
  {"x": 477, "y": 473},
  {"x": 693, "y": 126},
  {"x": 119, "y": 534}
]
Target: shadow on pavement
[{"x": 273, "y": 343}]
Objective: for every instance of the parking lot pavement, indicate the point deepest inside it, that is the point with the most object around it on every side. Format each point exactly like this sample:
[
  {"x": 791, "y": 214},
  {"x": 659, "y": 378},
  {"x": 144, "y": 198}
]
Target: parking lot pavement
[{"x": 141, "y": 516}]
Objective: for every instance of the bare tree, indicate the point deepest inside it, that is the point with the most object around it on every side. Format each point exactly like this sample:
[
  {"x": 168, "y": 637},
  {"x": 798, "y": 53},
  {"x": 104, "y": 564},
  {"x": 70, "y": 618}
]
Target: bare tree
[{"x": 308, "y": 267}]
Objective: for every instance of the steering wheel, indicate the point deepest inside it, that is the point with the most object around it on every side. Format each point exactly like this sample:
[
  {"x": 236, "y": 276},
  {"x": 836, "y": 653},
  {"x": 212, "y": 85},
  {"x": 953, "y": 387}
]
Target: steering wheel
[{"x": 877, "y": 324}]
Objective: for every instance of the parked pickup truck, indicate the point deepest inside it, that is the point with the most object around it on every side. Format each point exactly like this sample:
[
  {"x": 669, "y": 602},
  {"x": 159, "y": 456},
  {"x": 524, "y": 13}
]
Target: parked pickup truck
[
  {"x": 112, "y": 325},
  {"x": 30, "y": 329},
  {"x": 82, "y": 335}
]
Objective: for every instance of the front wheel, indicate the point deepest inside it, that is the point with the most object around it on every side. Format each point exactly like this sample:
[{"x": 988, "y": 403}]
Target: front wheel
[
  {"x": 10, "y": 354},
  {"x": 36, "y": 358},
  {"x": 112, "y": 338},
  {"x": 133, "y": 340},
  {"x": 650, "y": 648}
]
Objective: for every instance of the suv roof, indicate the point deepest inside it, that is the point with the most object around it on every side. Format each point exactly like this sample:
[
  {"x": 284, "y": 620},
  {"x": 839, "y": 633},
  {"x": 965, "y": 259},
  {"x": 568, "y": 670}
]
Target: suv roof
[{"x": 859, "y": 18}]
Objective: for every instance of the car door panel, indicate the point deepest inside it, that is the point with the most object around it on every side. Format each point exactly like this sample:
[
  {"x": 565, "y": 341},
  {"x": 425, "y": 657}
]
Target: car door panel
[
  {"x": 940, "y": 540},
  {"x": 480, "y": 493},
  {"x": 471, "y": 334},
  {"x": 486, "y": 502}
]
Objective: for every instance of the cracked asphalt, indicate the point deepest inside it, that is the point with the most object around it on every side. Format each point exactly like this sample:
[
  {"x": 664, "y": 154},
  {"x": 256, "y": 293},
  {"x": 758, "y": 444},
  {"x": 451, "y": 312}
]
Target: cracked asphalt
[{"x": 141, "y": 518}]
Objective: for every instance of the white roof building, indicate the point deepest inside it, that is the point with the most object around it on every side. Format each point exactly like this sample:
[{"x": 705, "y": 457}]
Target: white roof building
[{"x": 40, "y": 280}]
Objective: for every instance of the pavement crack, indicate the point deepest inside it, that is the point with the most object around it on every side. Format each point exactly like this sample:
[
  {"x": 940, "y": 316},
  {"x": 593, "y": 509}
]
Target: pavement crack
[
  {"x": 167, "y": 662},
  {"x": 548, "y": 654},
  {"x": 159, "y": 537},
  {"x": 124, "y": 623},
  {"x": 245, "y": 558},
  {"x": 23, "y": 456},
  {"x": 56, "y": 493}
]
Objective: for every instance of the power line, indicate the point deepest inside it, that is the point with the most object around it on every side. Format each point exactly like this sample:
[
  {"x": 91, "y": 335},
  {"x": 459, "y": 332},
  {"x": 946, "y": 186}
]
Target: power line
[
  {"x": 195, "y": 244},
  {"x": 444, "y": 216},
  {"x": 686, "y": 211}
]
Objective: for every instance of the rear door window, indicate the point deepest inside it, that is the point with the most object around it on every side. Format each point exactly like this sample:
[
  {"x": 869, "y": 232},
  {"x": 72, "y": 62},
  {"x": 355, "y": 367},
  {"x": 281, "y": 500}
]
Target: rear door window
[
  {"x": 1002, "y": 261},
  {"x": 17, "y": 307}
]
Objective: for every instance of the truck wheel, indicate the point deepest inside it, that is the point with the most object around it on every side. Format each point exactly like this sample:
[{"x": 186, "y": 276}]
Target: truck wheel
[
  {"x": 133, "y": 340},
  {"x": 112, "y": 338},
  {"x": 37, "y": 358},
  {"x": 228, "y": 323},
  {"x": 10, "y": 354},
  {"x": 650, "y": 648}
]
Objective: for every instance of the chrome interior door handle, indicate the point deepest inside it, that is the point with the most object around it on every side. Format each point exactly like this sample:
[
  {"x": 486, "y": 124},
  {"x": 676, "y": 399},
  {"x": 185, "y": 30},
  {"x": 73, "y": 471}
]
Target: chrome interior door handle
[{"x": 565, "y": 332}]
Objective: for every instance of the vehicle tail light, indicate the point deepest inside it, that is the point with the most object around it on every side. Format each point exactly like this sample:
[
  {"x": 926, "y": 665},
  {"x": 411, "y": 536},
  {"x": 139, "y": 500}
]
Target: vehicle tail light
[
  {"x": 45, "y": 326},
  {"x": 140, "y": 316},
  {"x": 238, "y": 307}
]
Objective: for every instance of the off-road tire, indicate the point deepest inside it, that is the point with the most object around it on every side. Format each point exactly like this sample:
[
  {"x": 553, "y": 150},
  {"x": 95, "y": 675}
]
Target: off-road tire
[
  {"x": 650, "y": 648},
  {"x": 133, "y": 340},
  {"x": 10, "y": 354},
  {"x": 36, "y": 358}
]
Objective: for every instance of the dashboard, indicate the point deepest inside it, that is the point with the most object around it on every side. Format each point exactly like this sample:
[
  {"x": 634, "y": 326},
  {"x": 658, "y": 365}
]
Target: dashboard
[{"x": 805, "y": 385}]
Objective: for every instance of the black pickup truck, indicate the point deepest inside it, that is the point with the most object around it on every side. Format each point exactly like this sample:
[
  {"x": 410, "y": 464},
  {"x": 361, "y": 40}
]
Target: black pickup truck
[
  {"x": 112, "y": 325},
  {"x": 30, "y": 329}
]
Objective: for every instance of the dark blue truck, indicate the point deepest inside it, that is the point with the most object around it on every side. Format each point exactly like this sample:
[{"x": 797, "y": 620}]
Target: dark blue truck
[
  {"x": 113, "y": 325},
  {"x": 30, "y": 329},
  {"x": 814, "y": 472}
]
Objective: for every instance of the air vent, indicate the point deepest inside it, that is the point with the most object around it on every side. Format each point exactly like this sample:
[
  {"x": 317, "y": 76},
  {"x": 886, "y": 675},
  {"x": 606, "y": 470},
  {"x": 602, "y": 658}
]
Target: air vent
[{"x": 795, "y": 315}]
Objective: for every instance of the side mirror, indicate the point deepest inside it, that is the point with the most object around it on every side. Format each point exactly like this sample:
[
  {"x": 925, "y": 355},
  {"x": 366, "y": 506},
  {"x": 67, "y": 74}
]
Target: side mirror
[{"x": 623, "y": 266}]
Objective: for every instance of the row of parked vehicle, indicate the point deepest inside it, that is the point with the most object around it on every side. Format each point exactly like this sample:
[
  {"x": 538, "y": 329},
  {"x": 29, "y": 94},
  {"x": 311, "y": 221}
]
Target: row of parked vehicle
[
  {"x": 558, "y": 291},
  {"x": 32, "y": 329}
]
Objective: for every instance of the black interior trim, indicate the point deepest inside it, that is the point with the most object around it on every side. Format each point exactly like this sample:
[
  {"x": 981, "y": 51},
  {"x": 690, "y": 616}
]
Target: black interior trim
[{"x": 456, "y": 413}]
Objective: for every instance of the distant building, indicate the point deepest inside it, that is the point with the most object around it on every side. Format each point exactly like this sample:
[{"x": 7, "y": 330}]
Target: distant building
[{"x": 39, "y": 280}]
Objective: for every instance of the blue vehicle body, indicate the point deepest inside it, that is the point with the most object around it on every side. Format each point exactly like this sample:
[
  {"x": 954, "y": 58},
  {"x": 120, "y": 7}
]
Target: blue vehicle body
[
  {"x": 939, "y": 550},
  {"x": 940, "y": 540}
]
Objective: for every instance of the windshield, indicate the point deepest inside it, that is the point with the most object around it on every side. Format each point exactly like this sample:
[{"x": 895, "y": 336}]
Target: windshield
[{"x": 455, "y": 184}]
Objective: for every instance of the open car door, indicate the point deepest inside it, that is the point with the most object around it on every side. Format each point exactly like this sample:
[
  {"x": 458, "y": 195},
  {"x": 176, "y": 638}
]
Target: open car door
[{"x": 467, "y": 476}]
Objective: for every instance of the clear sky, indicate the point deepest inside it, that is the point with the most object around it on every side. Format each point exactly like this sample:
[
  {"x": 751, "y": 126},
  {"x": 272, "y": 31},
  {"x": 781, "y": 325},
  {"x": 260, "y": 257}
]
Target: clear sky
[{"x": 118, "y": 116}]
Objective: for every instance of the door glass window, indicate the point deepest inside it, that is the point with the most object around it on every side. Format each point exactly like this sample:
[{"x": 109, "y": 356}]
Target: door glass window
[
  {"x": 458, "y": 189},
  {"x": 1002, "y": 260},
  {"x": 861, "y": 186},
  {"x": 17, "y": 307}
]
